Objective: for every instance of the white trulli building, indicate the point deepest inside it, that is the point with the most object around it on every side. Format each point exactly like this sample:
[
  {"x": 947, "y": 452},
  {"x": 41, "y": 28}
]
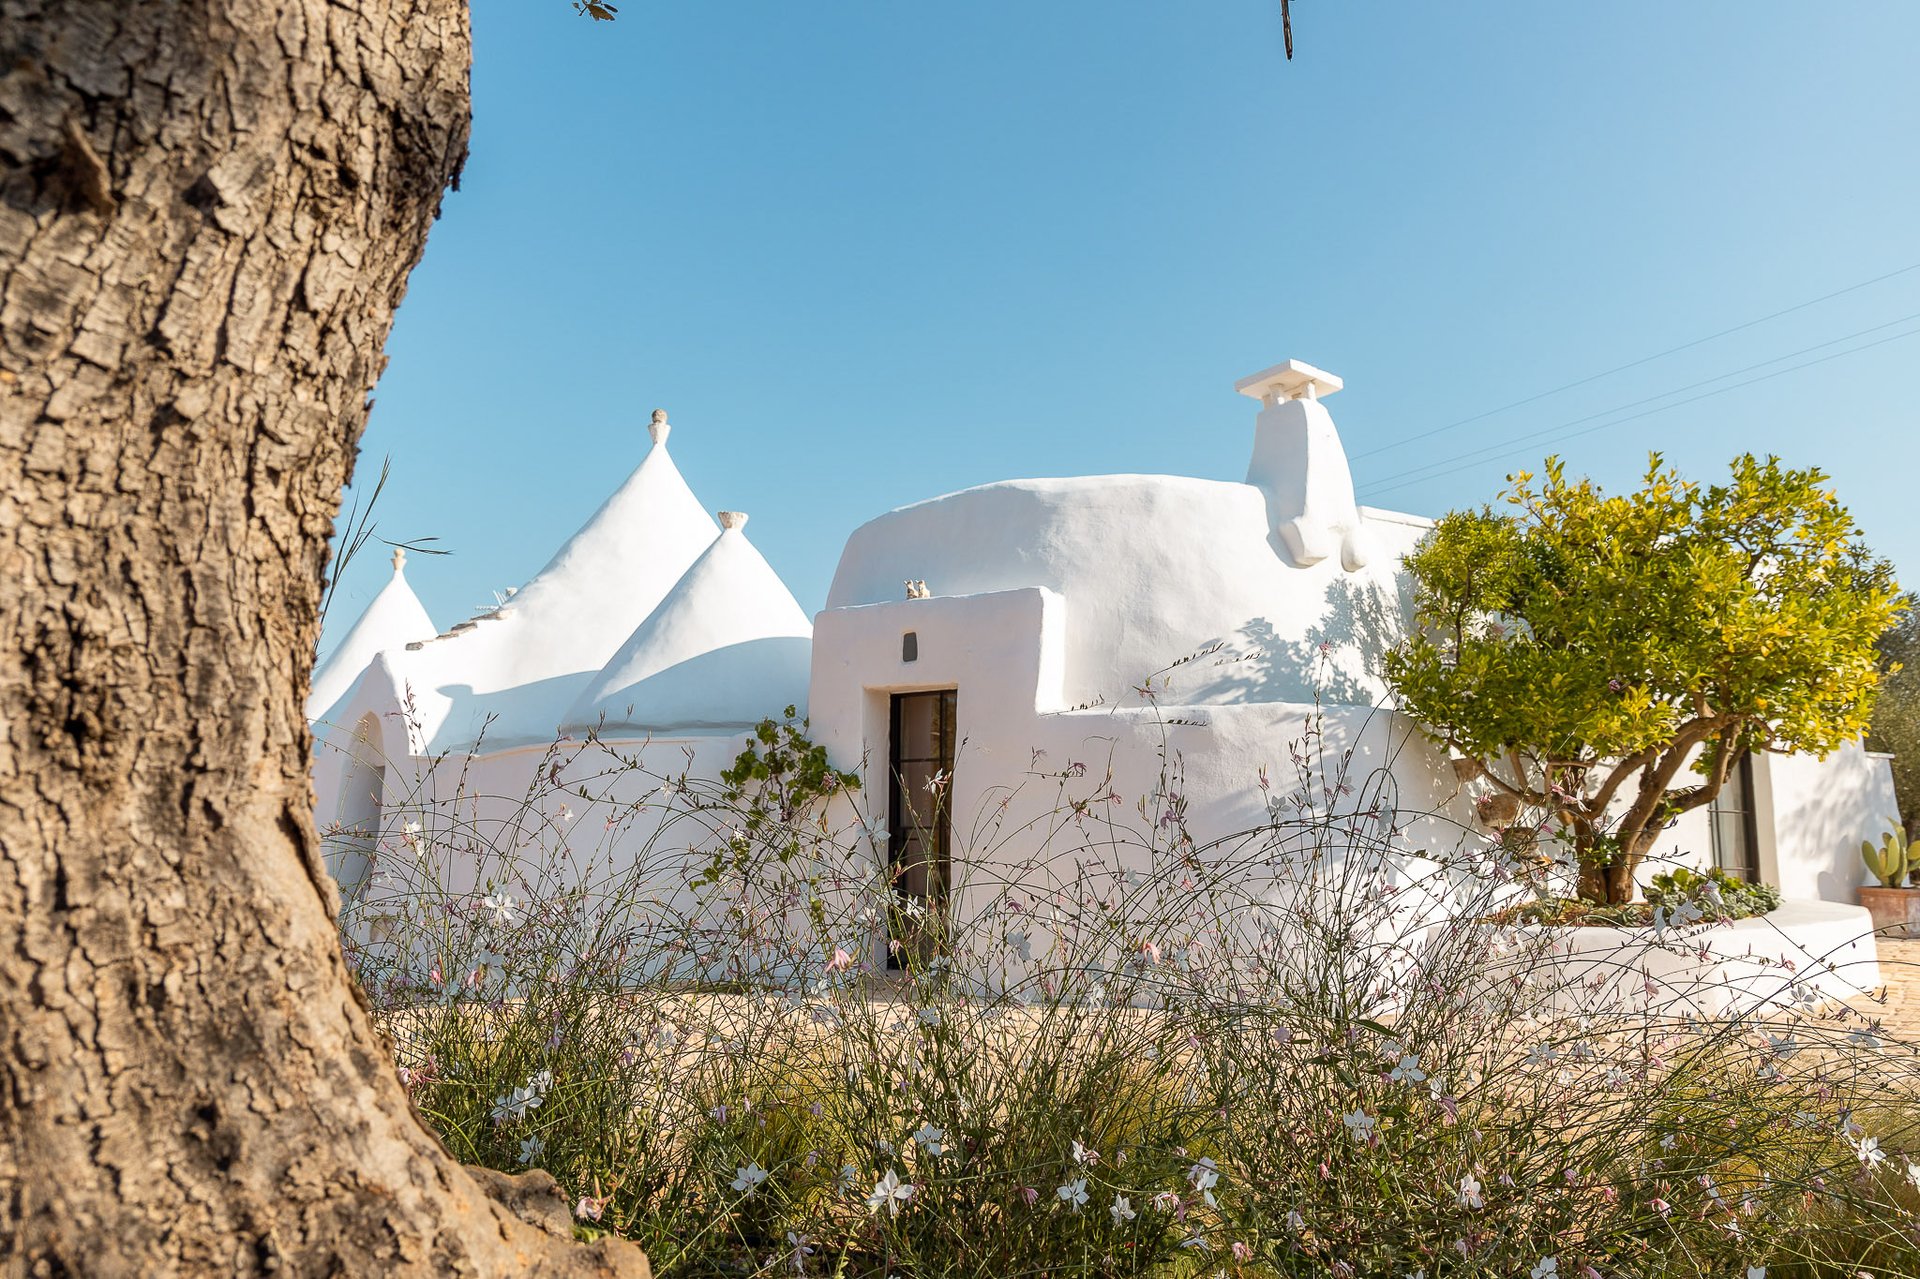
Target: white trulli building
[{"x": 1116, "y": 622}]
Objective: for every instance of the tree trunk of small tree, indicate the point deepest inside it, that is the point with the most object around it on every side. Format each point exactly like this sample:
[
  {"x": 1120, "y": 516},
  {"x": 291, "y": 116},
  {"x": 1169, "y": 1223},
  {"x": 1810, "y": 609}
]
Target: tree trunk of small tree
[{"x": 208, "y": 212}]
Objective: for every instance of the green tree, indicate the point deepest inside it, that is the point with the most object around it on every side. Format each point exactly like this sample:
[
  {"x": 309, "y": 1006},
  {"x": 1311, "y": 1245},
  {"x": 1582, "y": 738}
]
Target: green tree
[
  {"x": 1607, "y": 661},
  {"x": 1896, "y": 711}
]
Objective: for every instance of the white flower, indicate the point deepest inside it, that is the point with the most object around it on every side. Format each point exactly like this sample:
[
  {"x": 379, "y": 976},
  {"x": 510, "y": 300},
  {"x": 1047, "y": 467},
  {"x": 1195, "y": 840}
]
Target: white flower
[
  {"x": 1022, "y": 945},
  {"x": 1470, "y": 1196},
  {"x": 1360, "y": 1124},
  {"x": 889, "y": 1193},
  {"x": 502, "y": 907},
  {"x": 1204, "y": 1175},
  {"x": 522, "y": 1101},
  {"x": 1074, "y": 1193},
  {"x": 1122, "y": 1209},
  {"x": 1545, "y": 1268},
  {"x": 930, "y": 1138},
  {"x": 1295, "y": 1222},
  {"x": 849, "y": 1177},
  {"x": 929, "y": 1017},
  {"x": 1913, "y": 1173},
  {"x": 802, "y": 1248},
  {"x": 1082, "y": 1155},
  {"x": 1669, "y": 1141},
  {"x": 1782, "y": 1047},
  {"x": 1408, "y": 1071},
  {"x": 1870, "y": 1153},
  {"x": 1756, "y": 1272},
  {"x": 531, "y": 1149},
  {"x": 746, "y": 1179}
]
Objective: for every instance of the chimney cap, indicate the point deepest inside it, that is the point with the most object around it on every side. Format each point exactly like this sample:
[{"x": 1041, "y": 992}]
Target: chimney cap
[{"x": 1289, "y": 380}]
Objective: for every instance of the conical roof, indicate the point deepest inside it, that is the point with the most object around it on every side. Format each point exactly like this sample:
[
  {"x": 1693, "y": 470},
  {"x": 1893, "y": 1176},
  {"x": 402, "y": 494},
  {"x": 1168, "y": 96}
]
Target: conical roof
[
  {"x": 392, "y": 619},
  {"x": 728, "y": 647},
  {"x": 522, "y": 664}
]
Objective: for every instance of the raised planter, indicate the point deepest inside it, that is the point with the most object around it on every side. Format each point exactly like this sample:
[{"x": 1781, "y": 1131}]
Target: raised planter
[
  {"x": 1895, "y": 911},
  {"x": 1711, "y": 969}
]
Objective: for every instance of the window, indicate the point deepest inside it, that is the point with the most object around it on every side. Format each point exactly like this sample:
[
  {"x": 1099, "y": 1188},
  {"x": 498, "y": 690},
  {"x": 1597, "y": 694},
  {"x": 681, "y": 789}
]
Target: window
[
  {"x": 1736, "y": 839},
  {"x": 919, "y": 825}
]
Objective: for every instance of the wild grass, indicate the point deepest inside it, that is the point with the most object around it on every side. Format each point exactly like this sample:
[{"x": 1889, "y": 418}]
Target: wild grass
[{"x": 1300, "y": 1051}]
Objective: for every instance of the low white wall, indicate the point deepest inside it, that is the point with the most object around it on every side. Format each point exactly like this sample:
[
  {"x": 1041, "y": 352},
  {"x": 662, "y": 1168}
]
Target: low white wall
[{"x": 1805, "y": 947}]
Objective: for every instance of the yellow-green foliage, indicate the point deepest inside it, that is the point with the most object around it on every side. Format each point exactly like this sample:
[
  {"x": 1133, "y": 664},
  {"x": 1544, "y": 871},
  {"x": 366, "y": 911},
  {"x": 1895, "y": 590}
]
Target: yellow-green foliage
[{"x": 1587, "y": 647}]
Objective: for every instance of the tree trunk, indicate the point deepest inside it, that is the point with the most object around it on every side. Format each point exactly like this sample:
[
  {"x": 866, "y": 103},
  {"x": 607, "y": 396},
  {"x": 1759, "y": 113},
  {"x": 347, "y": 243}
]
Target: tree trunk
[{"x": 208, "y": 211}]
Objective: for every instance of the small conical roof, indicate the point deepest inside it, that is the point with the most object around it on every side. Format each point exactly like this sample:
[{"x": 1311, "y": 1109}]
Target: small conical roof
[
  {"x": 728, "y": 647},
  {"x": 525, "y": 662},
  {"x": 394, "y": 618}
]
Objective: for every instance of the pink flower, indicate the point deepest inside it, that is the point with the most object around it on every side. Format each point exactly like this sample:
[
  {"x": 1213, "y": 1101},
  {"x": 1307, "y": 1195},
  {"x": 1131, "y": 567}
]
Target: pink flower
[
  {"x": 841, "y": 960},
  {"x": 1029, "y": 1194},
  {"x": 589, "y": 1208},
  {"x": 1242, "y": 1252},
  {"x": 1661, "y": 1206}
]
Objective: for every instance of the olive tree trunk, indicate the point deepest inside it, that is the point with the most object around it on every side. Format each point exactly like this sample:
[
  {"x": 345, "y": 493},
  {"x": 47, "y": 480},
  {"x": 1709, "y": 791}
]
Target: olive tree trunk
[{"x": 208, "y": 211}]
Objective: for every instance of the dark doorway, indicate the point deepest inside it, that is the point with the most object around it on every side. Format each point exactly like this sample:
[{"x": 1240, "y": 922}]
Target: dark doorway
[
  {"x": 1736, "y": 835},
  {"x": 919, "y": 824}
]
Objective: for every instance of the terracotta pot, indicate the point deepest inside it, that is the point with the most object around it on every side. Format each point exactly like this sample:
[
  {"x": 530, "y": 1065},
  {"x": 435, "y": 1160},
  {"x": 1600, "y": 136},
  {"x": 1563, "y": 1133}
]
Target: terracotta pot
[{"x": 1895, "y": 911}]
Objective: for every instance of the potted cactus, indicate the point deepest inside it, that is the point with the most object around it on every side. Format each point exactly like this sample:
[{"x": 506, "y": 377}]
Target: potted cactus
[{"x": 1894, "y": 905}]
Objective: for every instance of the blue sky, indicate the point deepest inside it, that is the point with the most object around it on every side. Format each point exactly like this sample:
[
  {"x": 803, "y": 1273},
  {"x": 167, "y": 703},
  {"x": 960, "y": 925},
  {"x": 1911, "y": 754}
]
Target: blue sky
[{"x": 866, "y": 253}]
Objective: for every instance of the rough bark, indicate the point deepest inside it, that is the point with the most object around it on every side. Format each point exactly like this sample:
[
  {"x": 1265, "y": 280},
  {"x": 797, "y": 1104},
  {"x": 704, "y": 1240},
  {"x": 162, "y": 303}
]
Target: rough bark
[{"x": 208, "y": 211}]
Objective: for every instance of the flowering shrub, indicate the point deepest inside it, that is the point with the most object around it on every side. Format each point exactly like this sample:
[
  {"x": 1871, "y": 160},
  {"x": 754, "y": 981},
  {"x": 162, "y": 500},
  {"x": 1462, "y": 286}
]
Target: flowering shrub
[{"x": 1300, "y": 1050}]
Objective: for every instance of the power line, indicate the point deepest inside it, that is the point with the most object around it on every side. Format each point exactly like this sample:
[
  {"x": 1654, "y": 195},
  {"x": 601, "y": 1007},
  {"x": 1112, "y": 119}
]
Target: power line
[
  {"x": 1550, "y": 432},
  {"x": 1467, "y": 465},
  {"x": 1634, "y": 364}
]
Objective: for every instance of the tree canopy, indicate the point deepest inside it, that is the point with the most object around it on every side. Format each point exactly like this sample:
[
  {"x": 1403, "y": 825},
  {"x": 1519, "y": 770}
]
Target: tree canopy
[{"x": 1607, "y": 660}]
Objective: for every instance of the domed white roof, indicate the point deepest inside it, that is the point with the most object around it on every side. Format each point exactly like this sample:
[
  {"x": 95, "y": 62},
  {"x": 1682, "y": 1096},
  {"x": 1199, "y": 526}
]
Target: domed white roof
[
  {"x": 394, "y": 618},
  {"x": 1280, "y": 589},
  {"x": 728, "y": 647},
  {"x": 525, "y": 662}
]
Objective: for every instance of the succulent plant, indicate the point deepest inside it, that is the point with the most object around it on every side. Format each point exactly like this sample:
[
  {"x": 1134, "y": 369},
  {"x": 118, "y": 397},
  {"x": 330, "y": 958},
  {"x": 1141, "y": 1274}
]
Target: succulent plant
[{"x": 1892, "y": 859}]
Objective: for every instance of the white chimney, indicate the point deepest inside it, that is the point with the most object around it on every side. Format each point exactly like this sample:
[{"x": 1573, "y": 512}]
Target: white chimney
[{"x": 1300, "y": 466}]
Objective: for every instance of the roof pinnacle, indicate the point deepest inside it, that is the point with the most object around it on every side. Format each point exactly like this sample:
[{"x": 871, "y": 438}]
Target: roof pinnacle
[
  {"x": 658, "y": 428},
  {"x": 733, "y": 519},
  {"x": 399, "y": 558}
]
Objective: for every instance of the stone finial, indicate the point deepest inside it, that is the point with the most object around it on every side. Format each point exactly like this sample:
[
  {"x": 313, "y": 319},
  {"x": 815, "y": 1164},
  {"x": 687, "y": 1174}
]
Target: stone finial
[
  {"x": 399, "y": 558},
  {"x": 658, "y": 428},
  {"x": 733, "y": 519}
]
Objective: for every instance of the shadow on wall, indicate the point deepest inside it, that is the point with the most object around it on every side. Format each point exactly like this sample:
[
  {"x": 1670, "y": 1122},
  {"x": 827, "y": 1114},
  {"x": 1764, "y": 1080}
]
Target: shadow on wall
[
  {"x": 1337, "y": 660},
  {"x": 1823, "y": 810}
]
